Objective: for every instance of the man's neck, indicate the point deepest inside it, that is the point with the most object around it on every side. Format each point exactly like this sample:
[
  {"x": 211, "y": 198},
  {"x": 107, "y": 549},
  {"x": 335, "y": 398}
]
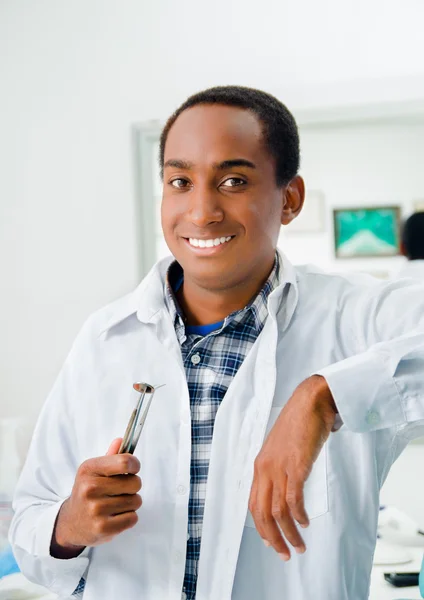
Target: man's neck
[{"x": 204, "y": 306}]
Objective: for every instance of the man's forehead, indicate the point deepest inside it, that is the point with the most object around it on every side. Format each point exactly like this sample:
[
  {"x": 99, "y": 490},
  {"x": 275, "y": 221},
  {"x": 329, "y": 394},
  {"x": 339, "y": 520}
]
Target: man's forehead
[{"x": 203, "y": 128}]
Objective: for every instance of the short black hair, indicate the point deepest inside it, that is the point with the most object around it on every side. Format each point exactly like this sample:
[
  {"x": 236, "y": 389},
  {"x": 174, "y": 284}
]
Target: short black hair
[
  {"x": 413, "y": 236},
  {"x": 280, "y": 131}
]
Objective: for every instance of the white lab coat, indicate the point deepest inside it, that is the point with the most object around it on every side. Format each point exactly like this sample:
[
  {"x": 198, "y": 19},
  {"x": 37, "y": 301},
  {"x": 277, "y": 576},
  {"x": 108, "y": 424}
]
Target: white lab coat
[
  {"x": 414, "y": 269},
  {"x": 317, "y": 323}
]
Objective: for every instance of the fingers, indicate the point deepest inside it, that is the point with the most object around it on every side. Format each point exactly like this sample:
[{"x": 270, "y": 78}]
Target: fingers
[
  {"x": 111, "y": 464},
  {"x": 264, "y": 521},
  {"x": 96, "y": 487},
  {"x": 114, "y": 447},
  {"x": 255, "y": 508},
  {"x": 123, "y": 521},
  {"x": 270, "y": 504},
  {"x": 117, "y": 505},
  {"x": 122, "y": 484},
  {"x": 106, "y": 528},
  {"x": 295, "y": 501},
  {"x": 283, "y": 517},
  {"x": 104, "y": 498}
]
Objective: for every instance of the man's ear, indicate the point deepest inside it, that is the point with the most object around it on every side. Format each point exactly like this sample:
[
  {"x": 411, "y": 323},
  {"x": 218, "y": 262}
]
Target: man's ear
[
  {"x": 294, "y": 196},
  {"x": 403, "y": 249}
]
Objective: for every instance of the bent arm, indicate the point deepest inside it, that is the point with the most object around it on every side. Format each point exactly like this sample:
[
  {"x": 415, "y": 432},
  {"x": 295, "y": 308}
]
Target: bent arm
[{"x": 383, "y": 385}]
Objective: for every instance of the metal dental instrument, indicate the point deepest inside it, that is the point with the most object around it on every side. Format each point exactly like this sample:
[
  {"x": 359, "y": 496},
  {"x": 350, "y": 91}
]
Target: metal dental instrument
[{"x": 138, "y": 417}]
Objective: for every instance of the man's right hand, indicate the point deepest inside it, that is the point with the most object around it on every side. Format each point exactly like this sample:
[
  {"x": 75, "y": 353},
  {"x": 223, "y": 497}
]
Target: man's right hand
[{"x": 103, "y": 503}]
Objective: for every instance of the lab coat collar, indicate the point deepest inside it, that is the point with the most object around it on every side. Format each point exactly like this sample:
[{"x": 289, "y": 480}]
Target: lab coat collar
[{"x": 148, "y": 299}]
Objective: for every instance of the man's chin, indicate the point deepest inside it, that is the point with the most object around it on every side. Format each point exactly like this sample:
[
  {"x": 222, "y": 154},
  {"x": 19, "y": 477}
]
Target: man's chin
[{"x": 211, "y": 278}]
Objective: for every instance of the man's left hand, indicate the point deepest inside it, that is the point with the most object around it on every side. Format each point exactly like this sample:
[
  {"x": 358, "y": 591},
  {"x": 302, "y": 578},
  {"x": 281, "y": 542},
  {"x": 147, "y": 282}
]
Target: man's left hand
[{"x": 285, "y": 462}]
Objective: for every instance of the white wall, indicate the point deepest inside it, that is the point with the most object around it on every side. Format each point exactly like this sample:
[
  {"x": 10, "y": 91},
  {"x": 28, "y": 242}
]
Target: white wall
[
  {"x": 404, "y": 487},
  {"x": 368, "y": 164},
  {"x": 75, "y": 75}
]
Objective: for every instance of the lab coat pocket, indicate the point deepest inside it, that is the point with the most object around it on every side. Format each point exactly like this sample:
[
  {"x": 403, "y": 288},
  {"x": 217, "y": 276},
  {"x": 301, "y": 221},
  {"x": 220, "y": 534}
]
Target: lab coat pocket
[{"x": 315, "y": 489}]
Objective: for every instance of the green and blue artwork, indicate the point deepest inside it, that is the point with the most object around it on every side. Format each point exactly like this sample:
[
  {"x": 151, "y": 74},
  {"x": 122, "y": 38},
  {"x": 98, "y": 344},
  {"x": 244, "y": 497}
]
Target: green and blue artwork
[{"x": 366, "y": 232}]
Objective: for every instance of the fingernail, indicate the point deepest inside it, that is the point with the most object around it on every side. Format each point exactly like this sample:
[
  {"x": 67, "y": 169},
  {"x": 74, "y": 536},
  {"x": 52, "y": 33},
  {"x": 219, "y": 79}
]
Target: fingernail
[
  {"x": 300, "y": 549},
  {"x": 304, "y": 525},
  {"x": 284, "y": 557},
  {"x": 267, "y": 544}
]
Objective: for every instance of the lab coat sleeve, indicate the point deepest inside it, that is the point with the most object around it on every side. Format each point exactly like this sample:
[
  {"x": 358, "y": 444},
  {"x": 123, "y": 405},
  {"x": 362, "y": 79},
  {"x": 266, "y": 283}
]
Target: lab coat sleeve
[
  {"x": 382, "y": 386},
  {"x": 45, "y": 483}
]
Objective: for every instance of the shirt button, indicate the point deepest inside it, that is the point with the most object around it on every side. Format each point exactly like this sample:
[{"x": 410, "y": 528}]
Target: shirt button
[
  {"x": 183, "y": 596},
  {"x": 181, "y": 489},
  {"x": 195, "y": 359},
  {"x": 373, "y": 418},
  {"x": 177, "y": 556}
]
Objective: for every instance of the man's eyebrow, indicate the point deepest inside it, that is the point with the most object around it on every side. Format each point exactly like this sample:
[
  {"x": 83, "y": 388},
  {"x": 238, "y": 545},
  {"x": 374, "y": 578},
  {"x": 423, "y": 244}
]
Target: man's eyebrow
[
  {"x": 222, "y": 166},
  {"x": 234, "y": 162},
  {"x": 178, "y": 164}
]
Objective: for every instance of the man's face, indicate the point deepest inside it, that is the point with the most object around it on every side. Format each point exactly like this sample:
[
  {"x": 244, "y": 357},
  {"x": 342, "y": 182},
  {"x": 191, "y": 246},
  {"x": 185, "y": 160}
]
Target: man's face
[{"x": 221, "y": 207}]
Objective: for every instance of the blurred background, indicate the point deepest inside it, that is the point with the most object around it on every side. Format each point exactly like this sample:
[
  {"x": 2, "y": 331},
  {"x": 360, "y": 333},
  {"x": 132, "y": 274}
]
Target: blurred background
[{"x": 85, "y": 87}]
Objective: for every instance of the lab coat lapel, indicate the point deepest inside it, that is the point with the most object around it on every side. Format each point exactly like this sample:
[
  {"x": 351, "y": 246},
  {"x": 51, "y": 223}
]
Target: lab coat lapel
[
  {"x": 239, "y": 432},
  {"x": 238, "y": 435}
]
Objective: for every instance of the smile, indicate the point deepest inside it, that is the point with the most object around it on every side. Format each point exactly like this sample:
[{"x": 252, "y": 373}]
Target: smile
[
  {"x": 209, "y": 247},
  {"x": 209, "y": 243}
]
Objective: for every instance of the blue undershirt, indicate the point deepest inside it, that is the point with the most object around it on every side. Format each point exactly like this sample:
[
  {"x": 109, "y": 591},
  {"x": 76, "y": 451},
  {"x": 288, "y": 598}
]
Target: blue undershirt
[{"x": 198, "y": 329}]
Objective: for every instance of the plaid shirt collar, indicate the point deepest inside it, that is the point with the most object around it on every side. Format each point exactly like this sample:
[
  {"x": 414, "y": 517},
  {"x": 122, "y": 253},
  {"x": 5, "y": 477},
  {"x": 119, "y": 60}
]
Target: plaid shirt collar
[{"x": 258, "y": 307}]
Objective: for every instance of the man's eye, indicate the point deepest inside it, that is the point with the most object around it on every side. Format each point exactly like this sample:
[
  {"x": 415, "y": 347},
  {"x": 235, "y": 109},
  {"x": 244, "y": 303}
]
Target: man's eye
[
  {"x": 233, "y": 182},
  {"x": 179, "y": 183}
]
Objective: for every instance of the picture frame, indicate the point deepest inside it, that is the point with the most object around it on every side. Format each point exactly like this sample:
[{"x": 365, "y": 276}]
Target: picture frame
[
  {"x": 367, "y": 232},
  {"x": 312, "y": 216}
]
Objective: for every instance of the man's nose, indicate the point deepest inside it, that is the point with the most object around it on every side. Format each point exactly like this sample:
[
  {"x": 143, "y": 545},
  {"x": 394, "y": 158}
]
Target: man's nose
[{"x": 205, "y": 208}]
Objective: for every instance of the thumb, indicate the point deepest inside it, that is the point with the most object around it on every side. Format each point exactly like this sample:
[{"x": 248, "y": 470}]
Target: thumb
[{"x": 114, "y": 447}]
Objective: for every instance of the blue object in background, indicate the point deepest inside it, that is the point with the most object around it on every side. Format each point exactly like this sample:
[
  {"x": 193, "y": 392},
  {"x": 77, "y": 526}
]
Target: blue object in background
[
  {"x": 422, "y": 578},
  {"x": 8, "y": 564}
]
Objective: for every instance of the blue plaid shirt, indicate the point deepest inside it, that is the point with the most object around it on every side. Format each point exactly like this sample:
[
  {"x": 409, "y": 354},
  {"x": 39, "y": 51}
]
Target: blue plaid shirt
[
  {"x": 212, "y": 357},
  {"x": 220, "y": 351}
]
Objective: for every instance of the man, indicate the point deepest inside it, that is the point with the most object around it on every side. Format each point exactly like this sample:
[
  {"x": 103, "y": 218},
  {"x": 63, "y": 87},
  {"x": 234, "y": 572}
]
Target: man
[
  {"x": 413, "y": 246},
  {"x": 288, "y": 392}
]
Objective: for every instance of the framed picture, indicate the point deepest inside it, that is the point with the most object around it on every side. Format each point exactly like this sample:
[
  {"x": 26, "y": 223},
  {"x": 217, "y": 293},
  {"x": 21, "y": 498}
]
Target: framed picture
[
  {"x": 367, "y": 232},
  {"x": 312, "y": 216}
]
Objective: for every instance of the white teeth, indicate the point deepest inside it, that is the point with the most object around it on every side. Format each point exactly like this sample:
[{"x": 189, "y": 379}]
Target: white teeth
[{"x": 208, "y": 243}]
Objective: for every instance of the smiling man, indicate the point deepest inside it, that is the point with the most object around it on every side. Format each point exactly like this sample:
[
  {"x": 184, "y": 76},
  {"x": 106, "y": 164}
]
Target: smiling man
[
  {"x": 289, "y": 393},
  {"x": 220, "y": 183}
]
